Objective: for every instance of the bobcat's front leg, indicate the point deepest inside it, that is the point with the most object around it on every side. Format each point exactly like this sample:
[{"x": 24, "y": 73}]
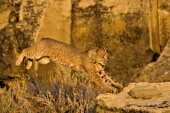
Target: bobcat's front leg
[
  {"x": 92, "y": 72},
  {"x": 43, "y": 60}
]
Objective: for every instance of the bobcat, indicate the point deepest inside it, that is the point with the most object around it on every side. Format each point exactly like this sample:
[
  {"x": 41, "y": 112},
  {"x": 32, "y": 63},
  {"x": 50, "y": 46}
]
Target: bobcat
[{"x": 91, "y": 61}]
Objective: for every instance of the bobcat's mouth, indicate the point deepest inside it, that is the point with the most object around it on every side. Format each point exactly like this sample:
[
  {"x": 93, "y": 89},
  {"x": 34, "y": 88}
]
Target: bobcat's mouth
[{"x": 101, "y": 64}]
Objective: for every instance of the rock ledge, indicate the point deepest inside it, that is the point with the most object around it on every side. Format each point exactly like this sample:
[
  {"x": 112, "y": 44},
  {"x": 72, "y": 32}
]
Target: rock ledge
[{"x": 137, "y": 97}]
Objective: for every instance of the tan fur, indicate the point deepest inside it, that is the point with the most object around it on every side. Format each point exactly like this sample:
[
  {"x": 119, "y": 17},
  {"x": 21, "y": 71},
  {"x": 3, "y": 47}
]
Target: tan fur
[{"x": 91, "y": 62}]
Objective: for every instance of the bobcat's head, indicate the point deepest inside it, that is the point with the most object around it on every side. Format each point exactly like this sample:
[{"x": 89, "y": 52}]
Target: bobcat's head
[{"x": 98, "y": 56}]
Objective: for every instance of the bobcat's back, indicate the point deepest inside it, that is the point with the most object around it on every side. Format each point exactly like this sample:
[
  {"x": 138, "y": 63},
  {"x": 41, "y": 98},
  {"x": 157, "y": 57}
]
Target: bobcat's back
[{"x": 57, "y": 51}]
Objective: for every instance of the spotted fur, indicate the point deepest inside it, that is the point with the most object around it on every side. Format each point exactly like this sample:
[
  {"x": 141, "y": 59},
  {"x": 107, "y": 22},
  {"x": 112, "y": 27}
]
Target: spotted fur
[{"x": 90, "y": 62}]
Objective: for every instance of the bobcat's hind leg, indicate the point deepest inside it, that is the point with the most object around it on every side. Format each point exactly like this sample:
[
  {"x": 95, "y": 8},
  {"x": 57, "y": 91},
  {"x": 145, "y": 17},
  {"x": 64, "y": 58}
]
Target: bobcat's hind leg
[
  {"x": 44, "y": 60},
  {"x": 20, "y": 58}
]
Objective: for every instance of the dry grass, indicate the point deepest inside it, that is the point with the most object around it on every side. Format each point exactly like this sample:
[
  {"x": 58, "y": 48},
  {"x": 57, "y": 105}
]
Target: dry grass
[{"x": 70, "y": 94}]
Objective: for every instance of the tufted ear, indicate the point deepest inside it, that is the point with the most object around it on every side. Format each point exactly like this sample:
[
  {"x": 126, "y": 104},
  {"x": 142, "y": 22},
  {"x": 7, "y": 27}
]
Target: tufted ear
[{"x": 105, "y": 48}]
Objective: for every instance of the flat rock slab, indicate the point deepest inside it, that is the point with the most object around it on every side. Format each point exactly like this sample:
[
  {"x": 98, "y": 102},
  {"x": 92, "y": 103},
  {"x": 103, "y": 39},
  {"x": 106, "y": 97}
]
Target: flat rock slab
[
  {"x": 137, "y": 97},
  {"x": 145, "y": 91}
]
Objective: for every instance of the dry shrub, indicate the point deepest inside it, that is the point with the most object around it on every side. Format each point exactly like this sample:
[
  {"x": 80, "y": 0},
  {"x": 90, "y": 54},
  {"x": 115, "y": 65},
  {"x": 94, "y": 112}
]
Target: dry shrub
[
  {"x": 71, "y": 93},
  {"x": 13, "y": 100},
  {"x": 74, "y": 92}
]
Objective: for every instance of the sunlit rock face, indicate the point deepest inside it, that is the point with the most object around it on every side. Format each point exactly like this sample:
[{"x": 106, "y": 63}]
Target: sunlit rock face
[
  {"x": 22, "y": 23},
  {"x": 21, "y": 20},
  {"x": 57, "y": 21},
  {"x": 8, "y": 35},
  {"x": 121, "y": 26},
  {"x": 157, "y": 71},
  {"x": 125, "y": 28}
]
